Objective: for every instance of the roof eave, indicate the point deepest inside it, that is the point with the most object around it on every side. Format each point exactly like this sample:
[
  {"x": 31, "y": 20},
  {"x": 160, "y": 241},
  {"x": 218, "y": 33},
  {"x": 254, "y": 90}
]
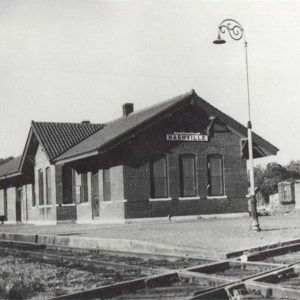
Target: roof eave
[
  {"x": 76, "y": 157},
  {"x": 10, "y": 175},
  {"x": 237, "y": 127}
]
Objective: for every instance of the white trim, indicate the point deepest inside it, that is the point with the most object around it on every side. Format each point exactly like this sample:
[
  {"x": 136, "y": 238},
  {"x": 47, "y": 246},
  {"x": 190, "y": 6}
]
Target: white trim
[
  {"x": 217, "y": 197},
  {"x": 83, "y": 203},
  {"x": 101, "y": 221},
  {"x": 189, "y": 198},
  {"x": 47, "y": 205},
  {"x": 160, "y": 199},
  {"x": 113, "y": 201},
  {"x": 188, "y": 217},
  {"x": 41, "y": 223},
  {"x": 67, "y": 204}
]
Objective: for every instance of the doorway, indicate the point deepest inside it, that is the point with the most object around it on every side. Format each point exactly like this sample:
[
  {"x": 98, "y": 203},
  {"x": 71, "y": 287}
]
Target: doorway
[{"x": 95, "y": 195}]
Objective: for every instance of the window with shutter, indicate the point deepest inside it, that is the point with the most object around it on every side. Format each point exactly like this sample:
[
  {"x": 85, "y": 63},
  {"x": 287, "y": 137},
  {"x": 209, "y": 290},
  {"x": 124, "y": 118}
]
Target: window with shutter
[
  {"x": 159, "y": 178},
  {"x": 215, "y": 175},
  {"x": 41, "y": 187},
  {"x": 187, "y": 169}
]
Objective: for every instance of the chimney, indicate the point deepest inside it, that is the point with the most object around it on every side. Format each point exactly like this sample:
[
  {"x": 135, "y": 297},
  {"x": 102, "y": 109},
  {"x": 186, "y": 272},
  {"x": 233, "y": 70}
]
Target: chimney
[
  {"x": 127, "y": 109},
  {"x": 85, "y": 122}
]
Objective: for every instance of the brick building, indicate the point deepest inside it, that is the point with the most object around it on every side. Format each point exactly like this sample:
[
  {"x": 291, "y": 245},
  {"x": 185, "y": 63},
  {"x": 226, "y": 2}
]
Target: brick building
[{"x": 180, "y": 157}]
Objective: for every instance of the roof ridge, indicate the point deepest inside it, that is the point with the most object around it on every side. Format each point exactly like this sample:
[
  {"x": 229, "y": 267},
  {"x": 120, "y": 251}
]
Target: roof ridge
[
  {"x": 189, "y": 93},
  {"x": 134, "y": 117},
  {"x": 72, "y": 123}
]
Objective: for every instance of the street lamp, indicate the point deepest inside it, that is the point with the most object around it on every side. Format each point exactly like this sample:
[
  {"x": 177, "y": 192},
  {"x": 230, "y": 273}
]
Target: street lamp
[{"x": 237, "y": 32}]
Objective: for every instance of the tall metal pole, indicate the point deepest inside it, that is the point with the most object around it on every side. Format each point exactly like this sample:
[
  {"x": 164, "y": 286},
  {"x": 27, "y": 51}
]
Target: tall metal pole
[
  {"x": 236, "y": 32},
  {"x": 254, "y": 217}
]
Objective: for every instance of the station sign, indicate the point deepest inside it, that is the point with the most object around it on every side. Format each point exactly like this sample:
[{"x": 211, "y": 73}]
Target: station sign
[{"x": 187, "y": 137}]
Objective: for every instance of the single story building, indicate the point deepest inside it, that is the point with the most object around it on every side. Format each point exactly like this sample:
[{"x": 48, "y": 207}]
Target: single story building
[{"x": 180, "y": 157}]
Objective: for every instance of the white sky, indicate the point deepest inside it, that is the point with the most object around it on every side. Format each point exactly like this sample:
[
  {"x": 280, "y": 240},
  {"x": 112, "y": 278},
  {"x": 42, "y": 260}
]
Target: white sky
[{"x": 71, "y": 60}]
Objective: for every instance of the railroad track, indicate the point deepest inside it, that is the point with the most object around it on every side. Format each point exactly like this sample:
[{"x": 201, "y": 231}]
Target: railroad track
[{"x": 267, "y": 273}]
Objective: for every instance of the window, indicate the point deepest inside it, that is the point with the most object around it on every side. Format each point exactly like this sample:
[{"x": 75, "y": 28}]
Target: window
[
  {"x": 33, "y": 196},
  {"x": 3, "y": 200},
  {"x": 287, "y": 195},
  {"x": 84, "y": 188},
  {"x": 106, "y": 185},
  {"x": 67, "y": 176},
  {"x": 41, "y": 187},
  {"x": 5, "y": 204},
  {"x": 215, "y": 175},
  {"x": 159, "y": 178},
  {"x": 187, "y": 169},
  {"x": 48, "y": 186}
]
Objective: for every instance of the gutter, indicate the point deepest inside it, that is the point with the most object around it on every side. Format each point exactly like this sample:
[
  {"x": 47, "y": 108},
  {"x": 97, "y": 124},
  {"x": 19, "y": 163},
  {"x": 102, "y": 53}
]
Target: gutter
[
  {"x": 76, "y": 157},
  {"x": 10, "y": 175}
]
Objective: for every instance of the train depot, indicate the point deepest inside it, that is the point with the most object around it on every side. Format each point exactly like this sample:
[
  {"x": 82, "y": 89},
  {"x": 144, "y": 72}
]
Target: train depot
[{"x": 179, "y": 157}]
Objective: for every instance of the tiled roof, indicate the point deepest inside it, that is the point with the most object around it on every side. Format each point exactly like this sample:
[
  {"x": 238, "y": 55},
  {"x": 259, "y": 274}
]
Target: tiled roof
[
  {"x": 10, "y": 167},
  {"x": 56, "y": 138},
  {"x": 121, "y": 126}
]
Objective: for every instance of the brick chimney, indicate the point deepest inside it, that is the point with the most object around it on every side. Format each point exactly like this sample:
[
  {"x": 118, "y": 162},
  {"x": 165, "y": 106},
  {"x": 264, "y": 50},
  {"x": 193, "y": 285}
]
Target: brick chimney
[{"x": 127, "y": 109}]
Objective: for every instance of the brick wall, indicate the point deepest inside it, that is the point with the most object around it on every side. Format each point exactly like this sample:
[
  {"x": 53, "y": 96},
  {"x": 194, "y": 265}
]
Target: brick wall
[
  {"x": 145, "y": 146},
  {"x": 66, "y": 213}
]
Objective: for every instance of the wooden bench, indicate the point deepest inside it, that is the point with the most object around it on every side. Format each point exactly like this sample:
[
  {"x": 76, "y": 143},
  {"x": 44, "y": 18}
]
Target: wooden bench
[{"x": 2, "y": 218}]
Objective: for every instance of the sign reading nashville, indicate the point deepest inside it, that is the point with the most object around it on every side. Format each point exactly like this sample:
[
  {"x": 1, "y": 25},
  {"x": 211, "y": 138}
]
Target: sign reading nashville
[{"x": 187, "y": 136}]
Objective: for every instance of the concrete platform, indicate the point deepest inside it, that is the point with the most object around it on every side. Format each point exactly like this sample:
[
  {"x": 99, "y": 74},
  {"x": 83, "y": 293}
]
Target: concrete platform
[{"x": 209, "y": 238}]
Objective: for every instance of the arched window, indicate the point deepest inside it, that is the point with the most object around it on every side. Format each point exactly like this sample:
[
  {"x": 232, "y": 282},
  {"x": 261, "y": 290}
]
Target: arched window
[
  {"x": 215, "y": 175},
  {"x": 187, "y": 169},
  {"x": 159, "y": 178},
  {"x": 48, "y": 186},
  {"x": 41, "y": 186}
]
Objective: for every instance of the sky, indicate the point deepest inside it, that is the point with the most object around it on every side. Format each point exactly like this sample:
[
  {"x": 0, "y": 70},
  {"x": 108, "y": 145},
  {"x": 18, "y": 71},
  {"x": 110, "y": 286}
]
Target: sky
[{"x": 74, "y": 60}]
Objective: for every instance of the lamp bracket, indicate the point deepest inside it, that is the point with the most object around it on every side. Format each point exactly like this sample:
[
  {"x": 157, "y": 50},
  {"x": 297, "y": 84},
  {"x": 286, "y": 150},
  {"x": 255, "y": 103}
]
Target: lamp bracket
[{"x": 234, "y": 28}]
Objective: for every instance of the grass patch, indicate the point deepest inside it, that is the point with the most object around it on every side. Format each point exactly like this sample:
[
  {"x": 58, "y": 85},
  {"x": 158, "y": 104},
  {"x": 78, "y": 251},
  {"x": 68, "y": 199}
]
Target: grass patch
[{"x": 21, "y": 278}]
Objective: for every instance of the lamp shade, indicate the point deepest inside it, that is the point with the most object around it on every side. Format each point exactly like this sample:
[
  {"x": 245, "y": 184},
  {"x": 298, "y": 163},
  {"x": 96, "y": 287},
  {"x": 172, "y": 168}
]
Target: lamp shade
[{"x": 219, "y": 41}]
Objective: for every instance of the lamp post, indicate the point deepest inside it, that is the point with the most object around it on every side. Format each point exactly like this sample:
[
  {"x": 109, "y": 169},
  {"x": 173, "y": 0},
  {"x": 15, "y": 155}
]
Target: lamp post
[{"x": 237, "y": 32}]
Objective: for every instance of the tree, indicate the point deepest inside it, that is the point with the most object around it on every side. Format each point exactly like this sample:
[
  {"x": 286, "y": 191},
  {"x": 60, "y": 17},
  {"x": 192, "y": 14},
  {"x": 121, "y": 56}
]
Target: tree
[
  {"x": 267, "y": 179},
  {"x": 294, "y": 169}
]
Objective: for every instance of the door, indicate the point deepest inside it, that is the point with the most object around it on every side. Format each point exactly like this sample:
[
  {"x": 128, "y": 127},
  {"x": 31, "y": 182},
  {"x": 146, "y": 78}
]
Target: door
[
  {"x": 19, "y": 204},
  {"x": 95, "y": 195}
]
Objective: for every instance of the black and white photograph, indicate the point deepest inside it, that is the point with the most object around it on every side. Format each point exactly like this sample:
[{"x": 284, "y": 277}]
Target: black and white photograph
[{"x": 149, "y": 149}]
